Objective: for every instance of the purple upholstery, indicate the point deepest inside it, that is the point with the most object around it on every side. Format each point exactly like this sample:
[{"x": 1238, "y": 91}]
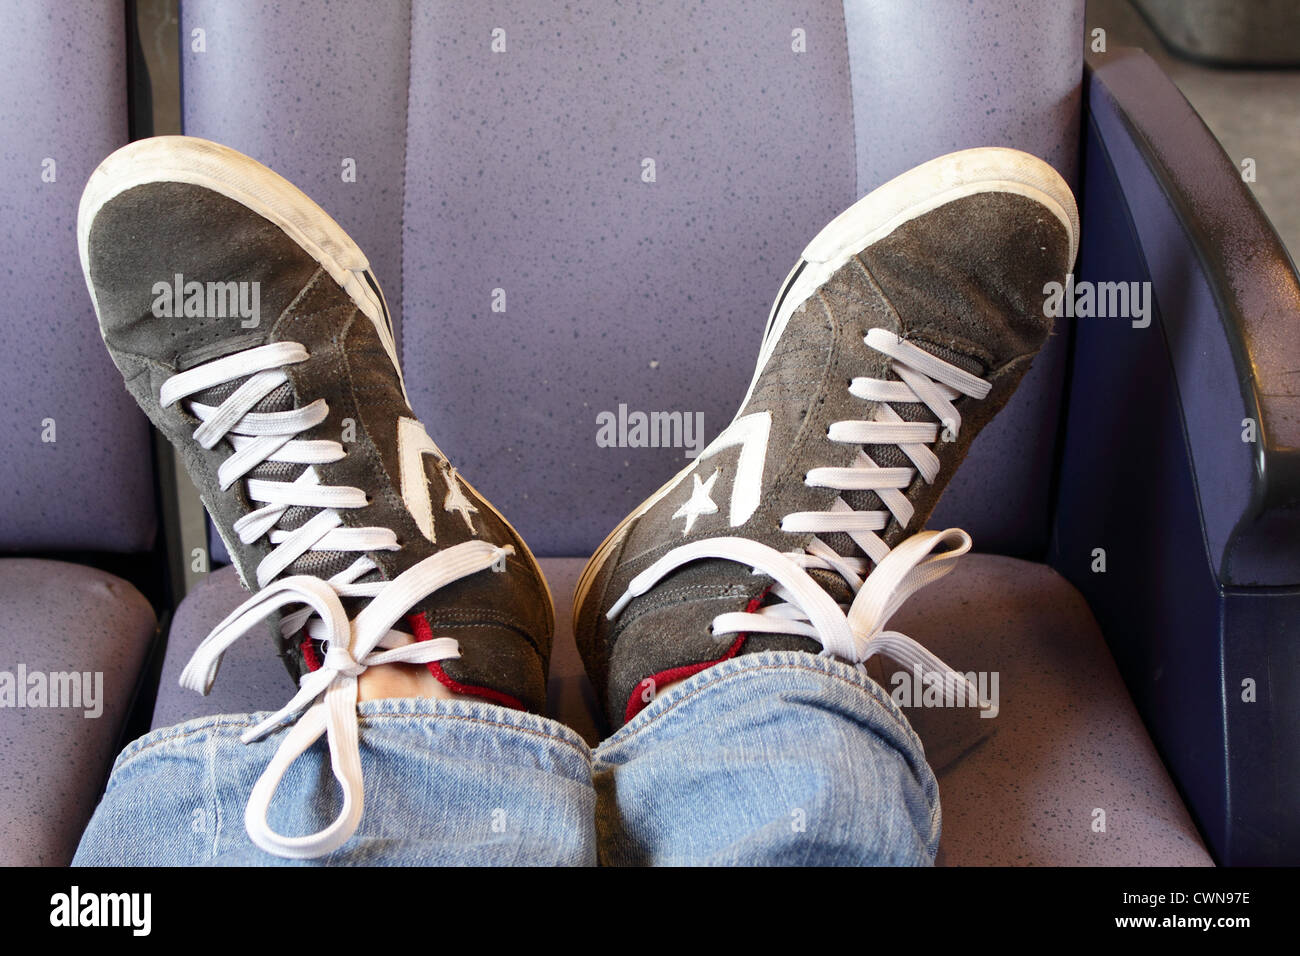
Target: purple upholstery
[
  {"x": 1068, "y": 739},
  {"x": 522, "y": 171},
  {"x": 528, "y": 178},
  {"x": 91, "y": 487},
  {"x": 53, "y": 365},
  {"x": 929, "y": 78},
  {"x": 1229, "y": 296},
  {"x": 61, "y": 618}
]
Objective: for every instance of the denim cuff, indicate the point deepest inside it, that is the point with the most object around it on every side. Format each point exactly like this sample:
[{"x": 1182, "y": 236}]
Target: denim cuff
[
  {"x": 385, "y": 712},
  {"x": 770, "y": 672}
]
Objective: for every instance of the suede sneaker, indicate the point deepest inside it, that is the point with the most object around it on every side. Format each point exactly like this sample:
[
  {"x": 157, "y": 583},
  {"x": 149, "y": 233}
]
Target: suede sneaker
[
  {"x": 905, "y": 326},
  {"x": 251, "y": 331}
]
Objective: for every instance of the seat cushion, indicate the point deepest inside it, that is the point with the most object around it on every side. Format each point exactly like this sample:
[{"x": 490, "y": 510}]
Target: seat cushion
[
  {"x": 71, "y": 652},
  {"x": 71, "y": 433},
  {"x": 1021, "y": 788},
  {"x": 1067, "y": 741}
]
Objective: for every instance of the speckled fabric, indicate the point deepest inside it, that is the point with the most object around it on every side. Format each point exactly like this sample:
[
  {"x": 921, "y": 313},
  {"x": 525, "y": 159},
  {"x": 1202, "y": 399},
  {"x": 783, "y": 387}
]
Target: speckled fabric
[
  {"x": 58, "y": 124},
  {"x": 251, "y": 678},
  {"x": 522, "y": 174},
  {"x": 1067, "y": 740},
  {"x": 61, "y": 618},
  {"x": 526, "y": 172},
  {"x": 1005, "y": 73}
]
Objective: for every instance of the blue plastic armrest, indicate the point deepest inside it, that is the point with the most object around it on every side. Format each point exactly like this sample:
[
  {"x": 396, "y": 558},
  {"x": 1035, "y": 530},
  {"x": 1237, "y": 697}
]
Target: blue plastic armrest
[{"x": 1178, "y": 494}]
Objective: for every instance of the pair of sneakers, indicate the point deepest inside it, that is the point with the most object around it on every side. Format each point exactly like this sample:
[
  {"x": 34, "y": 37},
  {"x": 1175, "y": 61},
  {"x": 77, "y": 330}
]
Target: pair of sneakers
[{"x": 251, "y": 330}]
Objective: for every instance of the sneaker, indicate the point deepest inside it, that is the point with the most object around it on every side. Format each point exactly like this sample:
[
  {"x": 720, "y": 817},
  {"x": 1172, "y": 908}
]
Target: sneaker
[
  {"x": 905, "y": 326},
  {"x": 251, "y": 331}
]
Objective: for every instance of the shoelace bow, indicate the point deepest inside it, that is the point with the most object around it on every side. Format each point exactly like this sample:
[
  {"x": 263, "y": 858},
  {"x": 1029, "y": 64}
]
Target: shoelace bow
[
  {"x": 857, "y": 632},
  {"x": 350, "y": 645}
]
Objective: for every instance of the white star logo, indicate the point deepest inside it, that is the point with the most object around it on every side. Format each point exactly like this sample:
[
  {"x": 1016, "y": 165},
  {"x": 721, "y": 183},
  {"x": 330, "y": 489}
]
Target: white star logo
[
  {"x": 456, "y": 499},
  {"x": 413, "y": 443},
  {"x": 699, "y": 503}
]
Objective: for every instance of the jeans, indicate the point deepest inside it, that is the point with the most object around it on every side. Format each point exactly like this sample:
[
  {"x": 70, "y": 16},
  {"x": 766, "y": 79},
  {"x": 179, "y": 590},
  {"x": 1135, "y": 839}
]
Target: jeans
[{"x": 771, "y": 758}]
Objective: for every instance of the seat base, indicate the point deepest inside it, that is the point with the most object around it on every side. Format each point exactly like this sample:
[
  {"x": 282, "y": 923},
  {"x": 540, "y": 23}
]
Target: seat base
[{"x": 75, "y": 642}]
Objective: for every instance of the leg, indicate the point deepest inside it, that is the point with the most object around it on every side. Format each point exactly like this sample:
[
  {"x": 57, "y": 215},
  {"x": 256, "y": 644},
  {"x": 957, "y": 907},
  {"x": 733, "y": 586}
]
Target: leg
[
  {"x": 385, "y": 578},
  {"x": 781, "y": 757},
  {"x": 449, "y": 782}
]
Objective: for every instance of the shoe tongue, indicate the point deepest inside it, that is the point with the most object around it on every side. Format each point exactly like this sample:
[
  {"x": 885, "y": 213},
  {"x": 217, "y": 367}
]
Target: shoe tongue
[
  {"x": 891, "y": 456},
  {"x": 832, "y": 583}
]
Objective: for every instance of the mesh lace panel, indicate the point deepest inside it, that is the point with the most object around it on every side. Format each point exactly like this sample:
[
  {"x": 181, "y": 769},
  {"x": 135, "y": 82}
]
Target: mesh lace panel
[{"x": 320, "y": 564}]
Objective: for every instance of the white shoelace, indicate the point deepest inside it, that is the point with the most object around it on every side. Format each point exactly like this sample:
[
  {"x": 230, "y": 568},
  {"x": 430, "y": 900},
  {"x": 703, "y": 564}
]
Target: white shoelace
[
  {"x": 350, "y": 645},
  {"x": 856, "y": 633}
]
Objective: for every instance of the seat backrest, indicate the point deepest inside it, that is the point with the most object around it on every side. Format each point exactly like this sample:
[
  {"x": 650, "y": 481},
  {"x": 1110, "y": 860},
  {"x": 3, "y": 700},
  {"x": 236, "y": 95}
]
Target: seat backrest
[
  {"x": 583, "y": 213},
  {"x": 77, "y": 470}
]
